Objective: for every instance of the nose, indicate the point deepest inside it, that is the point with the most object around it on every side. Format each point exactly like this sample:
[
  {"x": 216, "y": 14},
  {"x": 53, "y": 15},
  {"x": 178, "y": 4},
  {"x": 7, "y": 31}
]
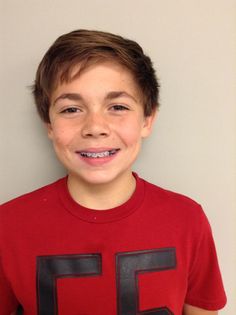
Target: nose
[{"x": 95, "y": 125}]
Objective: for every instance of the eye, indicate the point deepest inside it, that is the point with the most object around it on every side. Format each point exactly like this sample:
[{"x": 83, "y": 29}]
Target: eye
[
  {"x": 119, "y": 107},
  {"x": 70, "y": 110}
]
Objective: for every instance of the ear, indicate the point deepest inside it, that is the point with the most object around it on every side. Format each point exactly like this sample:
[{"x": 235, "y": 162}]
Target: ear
[
  {"x": 148, "y": 124},
  {"x": 49, "y": 130}
]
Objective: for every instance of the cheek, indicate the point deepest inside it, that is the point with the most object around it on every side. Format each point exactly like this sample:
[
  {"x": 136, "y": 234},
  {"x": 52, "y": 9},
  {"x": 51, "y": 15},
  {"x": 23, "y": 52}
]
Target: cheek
[
  {"x": 61, "y": 136},
  {"x": 130, "y": 133}
]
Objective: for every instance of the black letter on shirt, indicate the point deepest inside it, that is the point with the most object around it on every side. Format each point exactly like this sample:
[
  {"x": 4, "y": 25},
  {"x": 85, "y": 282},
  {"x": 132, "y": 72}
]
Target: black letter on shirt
[
  {"x": 129, "y": 265},
  {"x": 50, "y": 268}
]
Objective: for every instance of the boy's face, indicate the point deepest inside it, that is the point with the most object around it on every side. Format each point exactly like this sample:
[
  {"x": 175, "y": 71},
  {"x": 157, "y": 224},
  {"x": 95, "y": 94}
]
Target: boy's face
[{"x": 97, "y": 124}]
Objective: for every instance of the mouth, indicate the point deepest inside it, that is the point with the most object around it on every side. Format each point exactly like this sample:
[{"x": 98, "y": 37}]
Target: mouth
[{"x": 98, "y": 155}]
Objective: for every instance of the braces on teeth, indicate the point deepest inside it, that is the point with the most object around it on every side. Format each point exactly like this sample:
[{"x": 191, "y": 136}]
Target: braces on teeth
[{"x": 98, "y": 154}]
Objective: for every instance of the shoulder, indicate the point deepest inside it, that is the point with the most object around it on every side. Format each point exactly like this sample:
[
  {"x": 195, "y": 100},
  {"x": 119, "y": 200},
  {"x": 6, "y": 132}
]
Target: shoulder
[
  {"x": 174, "y": 205},
  {"x": 169, "y": 197},
  {"x": 33, "y": 198},
  {"x": 182, "y": 216}
]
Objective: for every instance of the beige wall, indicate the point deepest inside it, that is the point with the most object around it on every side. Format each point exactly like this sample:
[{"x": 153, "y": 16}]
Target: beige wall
[{"x": 192, "y": 149}]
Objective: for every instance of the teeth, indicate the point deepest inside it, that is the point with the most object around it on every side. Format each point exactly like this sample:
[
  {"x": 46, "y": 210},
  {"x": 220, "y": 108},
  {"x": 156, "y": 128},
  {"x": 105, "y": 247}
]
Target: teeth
[{"x": 98, "y": 154}]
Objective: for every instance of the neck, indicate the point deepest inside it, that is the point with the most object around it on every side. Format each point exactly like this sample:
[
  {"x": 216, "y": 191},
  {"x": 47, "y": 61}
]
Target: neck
[{"x": 96, "y": 196}]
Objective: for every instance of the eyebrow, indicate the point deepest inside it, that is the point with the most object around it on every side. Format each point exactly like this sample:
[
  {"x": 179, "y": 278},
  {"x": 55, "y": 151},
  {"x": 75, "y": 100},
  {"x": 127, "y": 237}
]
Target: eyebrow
[
  {"x": 110, "y": 96},
  {"x": 69, "y": 96},
  {"x": 115, "y": 94}
]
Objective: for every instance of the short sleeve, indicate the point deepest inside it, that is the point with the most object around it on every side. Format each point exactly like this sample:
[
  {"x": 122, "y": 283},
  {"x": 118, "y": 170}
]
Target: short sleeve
[
  {"x": 205, "y": 287},
  {"x": 8, "y": 301}
]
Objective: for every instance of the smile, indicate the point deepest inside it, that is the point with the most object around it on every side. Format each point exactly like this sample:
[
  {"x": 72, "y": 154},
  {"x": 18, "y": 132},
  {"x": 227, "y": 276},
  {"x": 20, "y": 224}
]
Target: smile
[{"x": 98, "y": 155}]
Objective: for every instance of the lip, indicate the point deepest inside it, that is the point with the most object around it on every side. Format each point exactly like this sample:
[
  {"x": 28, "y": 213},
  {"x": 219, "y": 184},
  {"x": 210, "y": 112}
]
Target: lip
[
  {"x": 97, "y": 150},
  {"x": 97, "y": 161}
]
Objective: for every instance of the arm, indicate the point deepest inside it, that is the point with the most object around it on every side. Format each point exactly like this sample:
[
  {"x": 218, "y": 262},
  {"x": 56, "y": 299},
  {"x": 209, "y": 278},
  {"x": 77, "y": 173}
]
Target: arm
[
  {"x": 8, "y": 299},
  {"x": 192, "y": 310},
  {"x": 19, "y": 311}
]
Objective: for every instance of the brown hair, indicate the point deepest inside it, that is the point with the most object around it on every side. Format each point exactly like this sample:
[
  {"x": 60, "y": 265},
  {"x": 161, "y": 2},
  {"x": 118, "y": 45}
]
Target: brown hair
[{"x": 83, "y": 47}]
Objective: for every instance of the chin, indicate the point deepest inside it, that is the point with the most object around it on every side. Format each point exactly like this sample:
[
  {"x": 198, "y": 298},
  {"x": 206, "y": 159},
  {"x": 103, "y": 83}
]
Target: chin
[{"x": 93, "y": 178}]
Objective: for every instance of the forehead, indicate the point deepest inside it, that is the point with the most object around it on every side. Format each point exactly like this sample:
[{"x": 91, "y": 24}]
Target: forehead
[{"x": 98, "y": 76}]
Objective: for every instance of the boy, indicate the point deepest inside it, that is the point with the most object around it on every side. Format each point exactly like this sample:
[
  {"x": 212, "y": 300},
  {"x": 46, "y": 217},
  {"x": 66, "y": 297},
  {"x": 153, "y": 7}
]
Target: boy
[{"x": 102, "y": 240}]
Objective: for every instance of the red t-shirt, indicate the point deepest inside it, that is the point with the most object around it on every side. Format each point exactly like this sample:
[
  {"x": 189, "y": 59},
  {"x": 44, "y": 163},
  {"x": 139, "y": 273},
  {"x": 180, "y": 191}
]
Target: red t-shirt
[{"x": 150, "y": 255}]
